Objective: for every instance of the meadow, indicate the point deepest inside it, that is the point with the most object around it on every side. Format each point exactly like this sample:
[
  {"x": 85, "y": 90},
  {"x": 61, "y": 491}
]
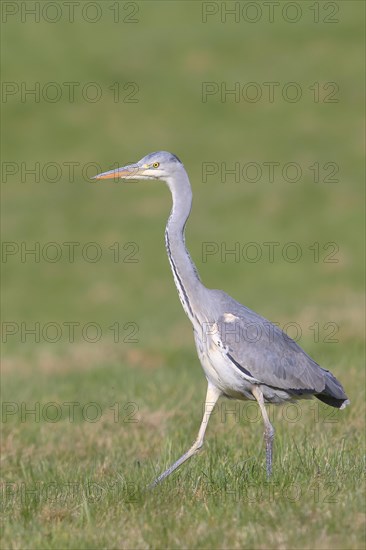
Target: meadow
[{"x": 101, "y": 385}]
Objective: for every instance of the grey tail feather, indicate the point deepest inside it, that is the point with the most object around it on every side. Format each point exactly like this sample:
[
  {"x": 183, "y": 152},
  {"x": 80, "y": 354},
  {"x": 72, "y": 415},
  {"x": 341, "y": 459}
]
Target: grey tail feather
[{"x": 333, "y": 393}]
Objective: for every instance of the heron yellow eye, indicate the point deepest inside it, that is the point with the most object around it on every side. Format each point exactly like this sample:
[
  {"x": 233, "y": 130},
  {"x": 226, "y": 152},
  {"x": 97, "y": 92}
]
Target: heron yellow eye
[{"x": 156, "y": 165}]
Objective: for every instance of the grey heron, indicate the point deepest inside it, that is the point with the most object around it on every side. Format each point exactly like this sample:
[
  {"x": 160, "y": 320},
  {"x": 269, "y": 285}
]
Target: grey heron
[{"x": 243, "y": 355}]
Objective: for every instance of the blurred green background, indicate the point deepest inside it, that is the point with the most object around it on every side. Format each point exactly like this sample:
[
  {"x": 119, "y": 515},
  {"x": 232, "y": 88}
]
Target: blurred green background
[
  {"x": 150, "y": 67},
  {"x": 168, "y": 53}
]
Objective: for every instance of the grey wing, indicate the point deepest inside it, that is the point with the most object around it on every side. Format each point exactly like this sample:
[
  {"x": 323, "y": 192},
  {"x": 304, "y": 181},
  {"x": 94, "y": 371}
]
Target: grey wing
[{"x": 266, "y": 354}]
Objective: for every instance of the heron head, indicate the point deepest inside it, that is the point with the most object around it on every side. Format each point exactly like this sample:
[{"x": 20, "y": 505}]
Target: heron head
[{"x": 157, "y": 166}]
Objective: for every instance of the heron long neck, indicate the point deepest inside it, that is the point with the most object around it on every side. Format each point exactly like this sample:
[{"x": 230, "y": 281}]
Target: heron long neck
[{"x": 184, "y": 271}]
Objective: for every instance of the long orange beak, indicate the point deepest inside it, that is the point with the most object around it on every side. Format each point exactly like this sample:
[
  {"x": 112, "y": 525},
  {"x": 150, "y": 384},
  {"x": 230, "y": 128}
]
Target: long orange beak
[{"x": 125, "y": 172}]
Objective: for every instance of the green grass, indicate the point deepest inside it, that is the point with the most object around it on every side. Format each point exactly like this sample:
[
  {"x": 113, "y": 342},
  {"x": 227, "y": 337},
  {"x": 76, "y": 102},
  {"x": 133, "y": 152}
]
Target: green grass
[
  {"x": 82, "y": 484},
  {"x": 79, "y": 483}
]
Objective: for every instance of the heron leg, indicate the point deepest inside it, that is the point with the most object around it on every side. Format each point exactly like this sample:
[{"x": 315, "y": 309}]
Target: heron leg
[
  {"x": 212, "y": 396},
  {"x": 268, "y": 429}
]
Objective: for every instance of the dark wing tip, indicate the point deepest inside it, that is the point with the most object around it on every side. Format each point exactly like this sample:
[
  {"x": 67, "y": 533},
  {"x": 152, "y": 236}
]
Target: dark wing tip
[
  {"x": 333, "y": 393},
  {"x": 333, "y": 401}
]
